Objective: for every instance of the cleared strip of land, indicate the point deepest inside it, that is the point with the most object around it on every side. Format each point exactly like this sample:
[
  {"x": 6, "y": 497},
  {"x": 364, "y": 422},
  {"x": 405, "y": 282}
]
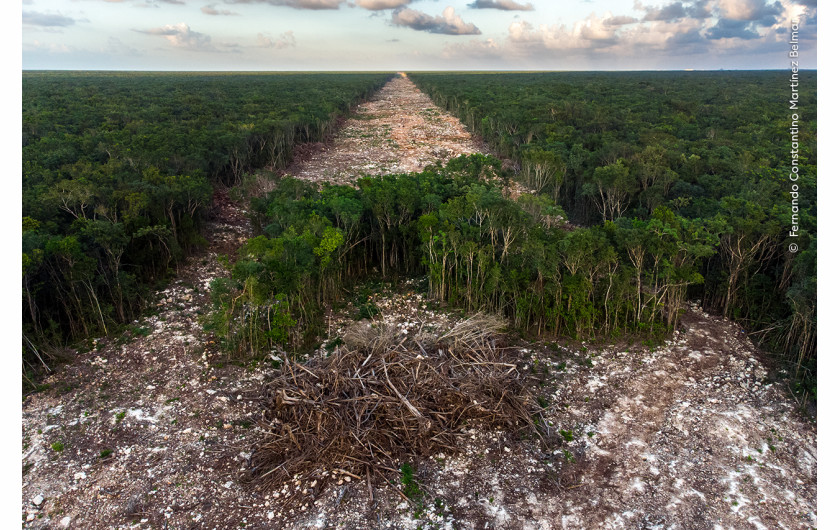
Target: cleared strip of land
[{"x": 399, "y": 130}]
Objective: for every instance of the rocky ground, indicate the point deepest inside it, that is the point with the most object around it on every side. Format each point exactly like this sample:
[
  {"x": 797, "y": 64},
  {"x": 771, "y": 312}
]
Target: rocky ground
[
  {"x": 152, "y": 428},
  {"x": 400, "y": 130}
]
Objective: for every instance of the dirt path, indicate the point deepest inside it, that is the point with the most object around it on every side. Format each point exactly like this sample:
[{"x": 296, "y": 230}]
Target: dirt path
[
  {"x": 152, "y": 429},
  {"x": 399, "y": 130}
]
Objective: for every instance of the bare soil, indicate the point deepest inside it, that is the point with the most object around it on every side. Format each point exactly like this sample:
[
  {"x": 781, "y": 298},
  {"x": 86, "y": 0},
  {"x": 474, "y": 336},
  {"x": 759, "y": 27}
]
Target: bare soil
[
  {"x": 156, "y": 425},
  {"x": 400, "y": 130}
]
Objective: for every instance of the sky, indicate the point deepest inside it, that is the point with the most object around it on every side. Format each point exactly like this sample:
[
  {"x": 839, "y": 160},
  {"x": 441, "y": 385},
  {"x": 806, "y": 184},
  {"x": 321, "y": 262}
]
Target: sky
[{"x": 415, "y": 34}]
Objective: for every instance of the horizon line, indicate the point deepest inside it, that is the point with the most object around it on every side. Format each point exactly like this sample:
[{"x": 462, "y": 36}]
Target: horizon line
[{"x": 414, "y": 70}]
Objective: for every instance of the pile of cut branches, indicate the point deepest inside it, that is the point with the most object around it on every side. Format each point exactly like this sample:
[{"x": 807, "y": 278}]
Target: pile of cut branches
[{"x": 385, "y": 396}]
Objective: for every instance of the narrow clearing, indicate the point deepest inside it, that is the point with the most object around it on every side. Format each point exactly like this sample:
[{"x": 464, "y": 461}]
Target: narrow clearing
[
  {"x": 153, "y": 428},
  {"x": 400, "y": 130}
]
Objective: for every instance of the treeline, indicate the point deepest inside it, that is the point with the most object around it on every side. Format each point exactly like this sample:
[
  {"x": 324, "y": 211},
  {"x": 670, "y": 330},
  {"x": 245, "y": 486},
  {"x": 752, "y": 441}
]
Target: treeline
[
  {"x": 481, "y": 251},
  {"x": 118, "y": 172},
  {"x": 710, "y": 146}
]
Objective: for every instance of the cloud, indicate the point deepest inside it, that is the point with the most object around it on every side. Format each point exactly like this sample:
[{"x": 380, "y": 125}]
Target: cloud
[
  {"x": 731, "y": 29},
  {"x": 504, "y": 5},
  {"x": 31, "y": 18},
  {"x": 377, "y": 5},
  {"x": 181, "y": 36},
  {"x": 699, "y": 9},
  {"x": 667, "y": 13},
  {"x": 211, "y": 10},
  {"x": 590, "y": 33},
  {"x": 296, "y": 4},
  {"x": 448, "y": 24},
  {"x": 691, "y": 34},
  {"x": 606, "y": 41},
  {"x": 474, "y": 49},
  {"x": 749, "y": 10},
  {"x": 286, "y": 40},
  {"x": 620, "y": 20}
]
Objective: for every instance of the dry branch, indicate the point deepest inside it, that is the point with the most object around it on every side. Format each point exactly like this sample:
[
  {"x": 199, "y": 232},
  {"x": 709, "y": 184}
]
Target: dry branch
[{"x": 382, "y": 398}]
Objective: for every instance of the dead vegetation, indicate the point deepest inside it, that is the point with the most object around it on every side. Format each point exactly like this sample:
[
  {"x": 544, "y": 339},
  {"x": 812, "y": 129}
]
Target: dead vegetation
[{"x": 385, "y": 397}]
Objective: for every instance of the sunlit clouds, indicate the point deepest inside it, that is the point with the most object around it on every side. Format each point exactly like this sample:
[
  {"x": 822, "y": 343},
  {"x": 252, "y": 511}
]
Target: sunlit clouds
[
  {"x": 181, "y": 36},
  {"x": 415, "y": 34},
  {"x": 448, "y": 24}
]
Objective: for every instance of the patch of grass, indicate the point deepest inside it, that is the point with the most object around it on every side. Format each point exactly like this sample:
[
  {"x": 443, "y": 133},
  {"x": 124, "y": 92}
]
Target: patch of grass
[
  {"x": 57, "y": 447},
  {"x": 542, "y": 401},
  {"x": 140, "y": 331},
  {"x": 569, "y": 457},
  {"x": 120, "y": 416},
  {"x": 333, "y": 344},
  {"x": 410, "y": 487},
  {"x": 105, "y": 453},
  {"x": 365, "y": 306},
  {"x": 567, "y": 435},
  {"x": 367, "y": 310}
]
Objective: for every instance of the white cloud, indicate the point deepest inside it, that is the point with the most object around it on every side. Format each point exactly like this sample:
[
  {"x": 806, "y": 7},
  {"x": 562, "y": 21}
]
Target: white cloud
[
  {"x": 475, "y": 49},
  {"x": 588, "y": 33},
  {"x": 449, "y": 23},
  {"x": 181, "y": 36},
  {"x": 504, "y": 5},
  {"x": 211, "y": 10},
  {"x": 620, "y": 20},
  {"x": 32, "y": 18},
  {"x": 377, "y": 5},
  {"x": 745, "y": 10},
  {"x": 297, "y": 4}
]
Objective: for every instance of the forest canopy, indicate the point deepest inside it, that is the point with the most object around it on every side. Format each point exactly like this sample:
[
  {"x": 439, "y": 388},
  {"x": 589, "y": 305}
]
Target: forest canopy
[
  {"x": 712, "y": 147},
  {"x": 118, "y": 172},
  {"x": 647, "y": 189}
]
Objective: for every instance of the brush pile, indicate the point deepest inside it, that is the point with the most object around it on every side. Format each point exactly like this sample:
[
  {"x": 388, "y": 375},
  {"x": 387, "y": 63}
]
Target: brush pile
[{"x": 385, "y": 396}]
